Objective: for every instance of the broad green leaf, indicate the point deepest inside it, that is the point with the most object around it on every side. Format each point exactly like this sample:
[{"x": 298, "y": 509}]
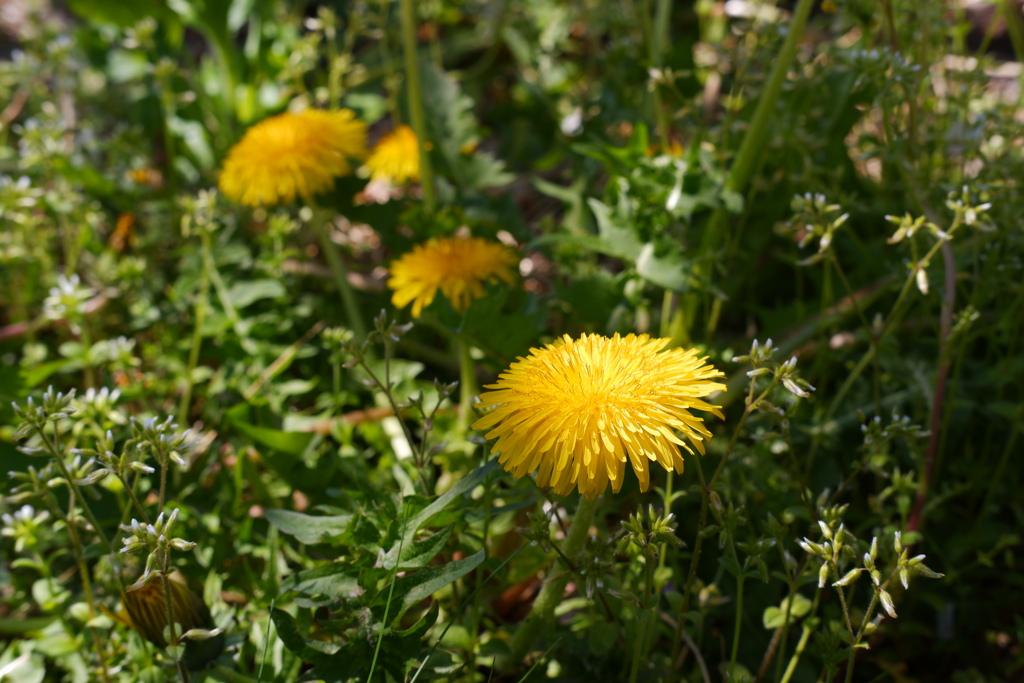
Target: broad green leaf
[
  {"x": 775, "y": 617},
  {"x": 307, "y": 528},
  {"x": 243, "y": 294}
]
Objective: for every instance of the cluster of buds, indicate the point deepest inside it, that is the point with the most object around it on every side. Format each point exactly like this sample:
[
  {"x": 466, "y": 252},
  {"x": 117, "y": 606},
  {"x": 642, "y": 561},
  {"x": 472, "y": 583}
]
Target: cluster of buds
[
  {"x": 351, "y": 352},
  {"x": 198, "y": 212},
  {"x": 907, "y": 226},
  {"x": 969, "y": 213},
  {"x": 905, "y": 565},
  {"x": 30, "y": 484},
  {"x": 444, "y": 391},
  {"x": 97, "y": 410},
  {"x": 110, "y": 462},
  {"x": 876, "y": 436},
  {"x": 648, "y": 531},
  {"x": 56, "y": 406},
  {"x": 119, "y": 351},
  {"x": 785, "y": 373},
  {"x": 830, "y": 550},
  {"x": 154, "y": 539},
  {"x": 162, "y": 440},
  {"x": 815, "y": 218}
]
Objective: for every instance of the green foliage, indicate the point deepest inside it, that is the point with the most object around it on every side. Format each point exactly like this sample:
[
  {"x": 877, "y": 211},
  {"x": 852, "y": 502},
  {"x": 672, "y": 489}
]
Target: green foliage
[{"x": 176, "y": 366}]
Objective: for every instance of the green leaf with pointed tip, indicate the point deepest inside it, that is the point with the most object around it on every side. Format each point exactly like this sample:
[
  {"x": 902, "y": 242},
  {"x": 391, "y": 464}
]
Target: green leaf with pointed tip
[
  {"x": 418, "y": 554},
  {"x": 410, "y": 589},
  {"x": 308, "y": 528}
]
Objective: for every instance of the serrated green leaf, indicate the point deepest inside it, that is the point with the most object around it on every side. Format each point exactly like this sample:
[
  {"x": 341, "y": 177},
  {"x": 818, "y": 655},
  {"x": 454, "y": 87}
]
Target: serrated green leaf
[
  {"x": 418, "y": 553},
  {"x": 335, "y": 579},
  {"x": 410, "y": 589}
]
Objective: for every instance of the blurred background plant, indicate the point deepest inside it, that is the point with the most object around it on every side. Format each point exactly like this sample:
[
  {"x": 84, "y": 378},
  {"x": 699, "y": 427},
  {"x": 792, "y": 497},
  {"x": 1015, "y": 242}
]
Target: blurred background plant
[{"x": 842, "y": 177}]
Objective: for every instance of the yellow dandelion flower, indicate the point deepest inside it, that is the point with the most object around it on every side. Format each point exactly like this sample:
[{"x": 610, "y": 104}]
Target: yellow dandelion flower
[
  {"x": 396, "y": 158},
  {"x": 576, "y": 409},
  {"x": 292, "y": 155},
  {"x": 458, "y": 266}
]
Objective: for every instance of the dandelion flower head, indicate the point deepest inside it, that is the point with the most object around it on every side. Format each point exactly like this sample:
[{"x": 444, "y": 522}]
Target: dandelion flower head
[
  {"x": 575, "y": 410},
  {"x": 292, "y": 155},
  {"x": 396, "y": 158},
  {"x": 458, "y": 266}
]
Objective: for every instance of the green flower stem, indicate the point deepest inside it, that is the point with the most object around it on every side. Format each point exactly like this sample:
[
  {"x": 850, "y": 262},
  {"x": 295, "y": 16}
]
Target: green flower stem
[
  {"x": 467, "y": 382},
  {"x": 348, "y": 295},
  {"x": 550, "y": 595},
  {"x": 416, "y": 113},
  {"x": 753, "y": 142},
  {"x": 199, "y": 311},
  {"x": 656, "y": 35},
  {"x": 165, "y": 584},
  {"x": 58, "y": 457},
  {"x": 135, "y": 501},
  {"x": 864, "y": 622},
  {"x": 391, "y": 78},
  {"x": 218, "y": 283},
  {"x": 805, "y": 635},
  {"x": 163, "y": 486},
  {"x": 842, "y": 603}
]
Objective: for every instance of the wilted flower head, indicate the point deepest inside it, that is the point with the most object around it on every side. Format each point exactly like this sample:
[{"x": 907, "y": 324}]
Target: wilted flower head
[
  {"x": 146, "y": 612},
  {"x": 575, "y": 410},
  {"x": 457, "y": 266},
  {"x": 292, "y": 155},
  {"x": 396, "y": 158}
]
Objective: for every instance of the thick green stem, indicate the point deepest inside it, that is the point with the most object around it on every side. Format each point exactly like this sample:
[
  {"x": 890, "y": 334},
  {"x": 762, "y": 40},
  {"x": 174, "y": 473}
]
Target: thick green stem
[
  {"x": 416, "y": 114},
  {"x": 467, "y": 382},
  {"x": 348, "y": 295},
  {"x": 551, "y": 594},
  {"x": 754, "y": 140}
]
